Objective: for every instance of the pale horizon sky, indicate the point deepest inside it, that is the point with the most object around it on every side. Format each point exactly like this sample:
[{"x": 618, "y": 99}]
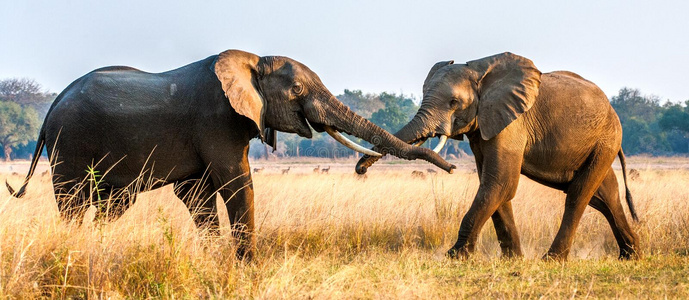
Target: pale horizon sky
[{"x": 373, "y": 46}]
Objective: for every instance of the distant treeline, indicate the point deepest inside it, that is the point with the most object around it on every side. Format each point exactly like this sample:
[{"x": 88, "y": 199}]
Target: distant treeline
[{"x": 650, "y": 127}]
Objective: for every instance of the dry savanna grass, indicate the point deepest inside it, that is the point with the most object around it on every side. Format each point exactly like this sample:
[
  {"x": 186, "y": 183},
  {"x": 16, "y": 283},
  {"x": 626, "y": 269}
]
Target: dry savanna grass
[{"x": 338, "y": 235}]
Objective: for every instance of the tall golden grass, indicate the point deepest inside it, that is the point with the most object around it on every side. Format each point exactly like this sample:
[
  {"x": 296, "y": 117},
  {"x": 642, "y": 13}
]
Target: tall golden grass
[{"x": 342, "y": 236}]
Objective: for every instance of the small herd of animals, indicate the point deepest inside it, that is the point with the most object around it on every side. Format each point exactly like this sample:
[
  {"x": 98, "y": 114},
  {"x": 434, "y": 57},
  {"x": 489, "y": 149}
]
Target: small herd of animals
[
  {"x": 421, "y": 174},
  {"x": 191, "y": 127},
  {"x": 316, "y": 170}
]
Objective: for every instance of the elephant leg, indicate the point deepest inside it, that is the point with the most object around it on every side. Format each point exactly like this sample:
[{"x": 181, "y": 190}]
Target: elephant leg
[
  {"x": 72, "y": 207},
  {"x": 72, "y": 202},
  {"x": 499, "y": 180},
  {"x": 236, "y": 189},
  {"x": 506, "y": 230},
  {"x": 112, "y": 204},
  {"x": 238, "y": 197},
  {"x": 198, "y": 195},
  {"x": 607, "y": 201},
  {"x": 503, "y": 221},
  {"x": 579, "y": 194}
]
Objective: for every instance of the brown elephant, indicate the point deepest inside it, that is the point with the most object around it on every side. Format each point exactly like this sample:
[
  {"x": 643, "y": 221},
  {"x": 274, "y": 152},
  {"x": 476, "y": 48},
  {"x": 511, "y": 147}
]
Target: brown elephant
[
  {"x": 190, "y": 127},
  {"x": 556, "y": 128}
]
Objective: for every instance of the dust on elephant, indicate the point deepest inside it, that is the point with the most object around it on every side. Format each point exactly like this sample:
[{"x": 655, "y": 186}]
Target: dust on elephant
[
  {"x": 555, "y": 128},
  {"x": 190, "y": 127}
]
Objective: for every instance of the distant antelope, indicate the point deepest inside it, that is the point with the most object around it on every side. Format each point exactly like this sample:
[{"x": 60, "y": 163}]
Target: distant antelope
[
  {"x": 325, "y": 170},
  {"x": 285, "y": 171},
  {"x": 258, "y": 170},
  {"x": 431, "y": 171},
  {"x": 634, "y": 174},
  {"x": 418, "y": 174},
  {"x": 317, "y": 169}
]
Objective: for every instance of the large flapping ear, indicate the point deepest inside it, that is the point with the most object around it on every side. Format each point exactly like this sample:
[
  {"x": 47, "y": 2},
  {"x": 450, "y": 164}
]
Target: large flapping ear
[
  {"x": 434, "y": 69},
  {"x": 236, "y": 71},
  {"x": 507, "y": 87}
]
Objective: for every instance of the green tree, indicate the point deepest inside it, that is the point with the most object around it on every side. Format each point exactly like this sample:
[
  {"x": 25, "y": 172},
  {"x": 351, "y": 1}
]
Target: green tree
[
  {"x": 675, "y": 116},
  {"x": 363, "y": 104},
  {"x": 675, "y": 123},
  {"x": 639, "y": 115},
  {"x": 640, "y": 137},
  {"x": 398, "y": 110},
  {"x": 26, "y": 92},
  {"x": 18, "y": 126},
  {"x": 630, "y": 103}
]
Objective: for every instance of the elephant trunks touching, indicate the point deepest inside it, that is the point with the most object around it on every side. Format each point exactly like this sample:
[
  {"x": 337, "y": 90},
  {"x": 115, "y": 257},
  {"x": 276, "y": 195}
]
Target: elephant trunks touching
[
  {"x": 368, "y": 160},
  {"x": 341, "y": 118},
  {"x": 410, "y": 154}
]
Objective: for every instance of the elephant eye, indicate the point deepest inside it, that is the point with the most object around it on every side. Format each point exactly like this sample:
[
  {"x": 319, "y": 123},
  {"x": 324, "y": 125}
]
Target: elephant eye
[
  {"x": 297, "y": 88},
  {"x": 454, "y": 103}
]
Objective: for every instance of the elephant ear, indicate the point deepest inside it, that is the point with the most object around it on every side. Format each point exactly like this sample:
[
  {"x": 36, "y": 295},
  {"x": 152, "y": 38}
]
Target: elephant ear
[
  {"x": 434, "y": 69},
  {"x": 507, "y": 87},
  {"x": 237, "y": 71}
]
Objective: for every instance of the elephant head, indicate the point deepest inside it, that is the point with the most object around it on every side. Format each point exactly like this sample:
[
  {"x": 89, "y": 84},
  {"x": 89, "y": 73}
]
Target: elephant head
[
  {"x": 279, "y": 93},
  {"x": 483, "y": 95}
]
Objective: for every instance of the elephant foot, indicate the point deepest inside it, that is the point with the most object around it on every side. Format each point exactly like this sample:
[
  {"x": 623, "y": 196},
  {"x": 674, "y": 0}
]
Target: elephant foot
[
  {"x": 628, "y": 254},
  {"x": 245, "y": 253},
  {"x": 553, "y": 256},
  {"x": 508, "y": 253},
  {"x": 458, "y": 253},
  {"x": 246, "y": 244}
]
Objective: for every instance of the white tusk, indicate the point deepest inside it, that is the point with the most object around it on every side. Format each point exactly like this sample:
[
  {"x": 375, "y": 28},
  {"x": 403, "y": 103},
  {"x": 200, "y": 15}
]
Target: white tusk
[
  {"x": 441, "y": 144},
  {"x": 348, "y": 143}
]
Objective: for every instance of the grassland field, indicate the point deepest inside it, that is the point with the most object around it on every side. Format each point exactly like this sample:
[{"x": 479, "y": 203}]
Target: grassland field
[{"x": 342, "y": 236}]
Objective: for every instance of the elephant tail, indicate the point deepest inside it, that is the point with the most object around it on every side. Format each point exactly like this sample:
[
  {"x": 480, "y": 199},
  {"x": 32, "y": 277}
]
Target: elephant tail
[
  {"x": 628, "y": 195},
  {"x": 32, "y": 168},
  {"x": 40, "y": 143}
]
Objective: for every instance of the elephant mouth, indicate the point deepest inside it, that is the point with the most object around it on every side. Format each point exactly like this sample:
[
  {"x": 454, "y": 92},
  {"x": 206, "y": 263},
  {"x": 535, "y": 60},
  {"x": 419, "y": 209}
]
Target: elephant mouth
[
  {"x": 441, "y": 142},
  {"x": 320, "y": 128}
]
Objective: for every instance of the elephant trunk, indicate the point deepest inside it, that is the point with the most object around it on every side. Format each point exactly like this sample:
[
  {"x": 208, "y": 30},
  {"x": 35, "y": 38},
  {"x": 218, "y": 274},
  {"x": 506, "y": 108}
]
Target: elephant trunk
[
  {"x": 411, "y": 132},
  {"x": 344, "y": 119}
]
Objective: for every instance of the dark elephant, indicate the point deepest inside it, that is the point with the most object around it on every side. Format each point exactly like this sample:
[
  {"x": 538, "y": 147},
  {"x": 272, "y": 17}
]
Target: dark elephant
[
  {"x": 190, "y": 127},
  {"x": 555, "y": 128}
]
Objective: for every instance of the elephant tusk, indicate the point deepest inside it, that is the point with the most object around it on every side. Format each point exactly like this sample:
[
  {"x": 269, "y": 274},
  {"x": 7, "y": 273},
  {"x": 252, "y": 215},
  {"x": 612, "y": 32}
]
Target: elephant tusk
[
  {"x": 348, "y": 143},
  {"x": 441, "y": 144}
]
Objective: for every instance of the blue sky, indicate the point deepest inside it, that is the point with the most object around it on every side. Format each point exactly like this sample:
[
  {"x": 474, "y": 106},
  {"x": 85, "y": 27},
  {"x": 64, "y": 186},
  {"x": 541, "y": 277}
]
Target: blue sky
[{"x": 369, "y": 45}]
